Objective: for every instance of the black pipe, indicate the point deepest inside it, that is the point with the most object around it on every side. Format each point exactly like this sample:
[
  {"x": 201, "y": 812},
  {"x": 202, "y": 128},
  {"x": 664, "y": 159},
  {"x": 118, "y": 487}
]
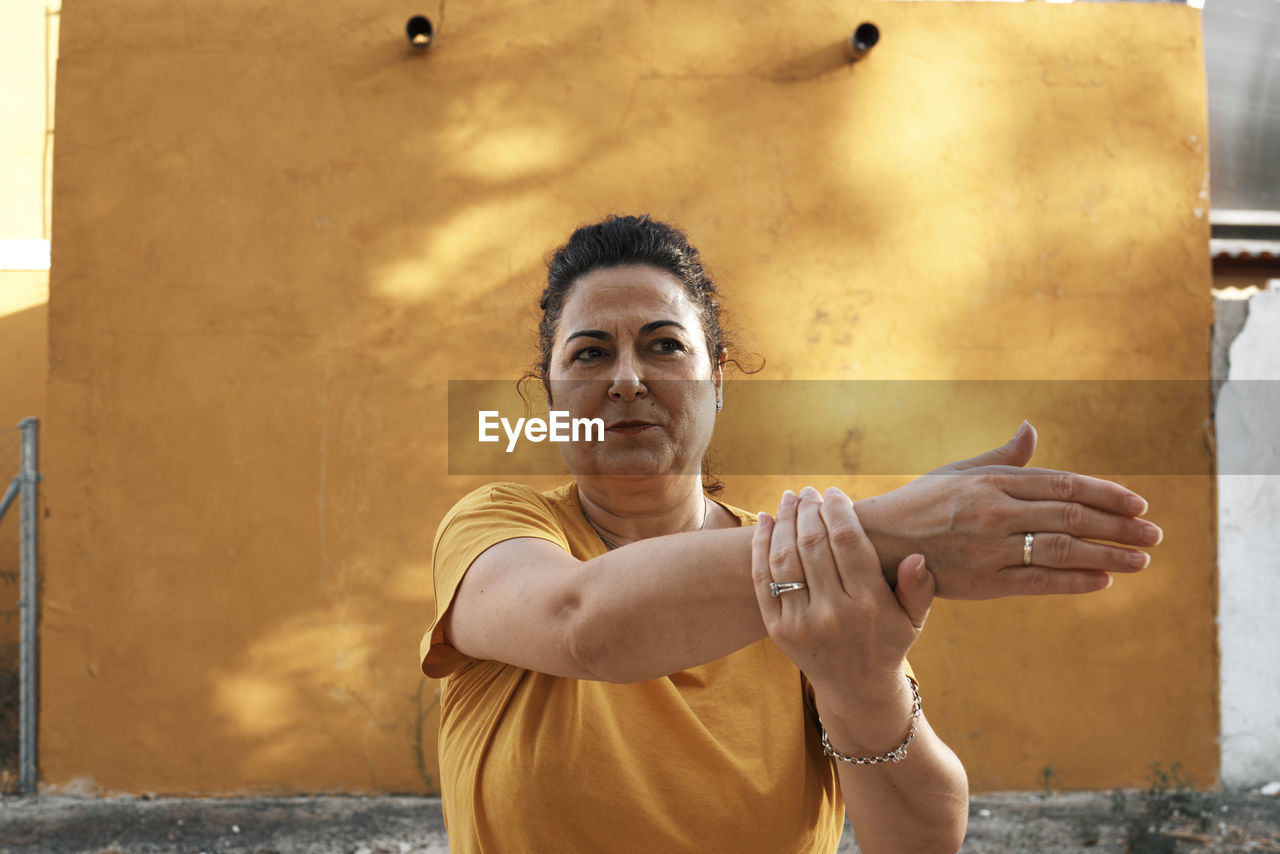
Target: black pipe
[
  {"x": 864, "y": 38},
  {"x": 419, "y": 31}
]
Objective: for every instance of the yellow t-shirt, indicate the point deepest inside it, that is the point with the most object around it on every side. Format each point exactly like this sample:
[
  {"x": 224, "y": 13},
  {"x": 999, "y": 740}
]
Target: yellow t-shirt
[{"x": 720, "y": 757}]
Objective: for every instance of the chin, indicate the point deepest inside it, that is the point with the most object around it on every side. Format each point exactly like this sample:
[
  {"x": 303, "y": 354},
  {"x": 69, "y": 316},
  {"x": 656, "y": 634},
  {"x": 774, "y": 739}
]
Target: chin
[{"x": 635, "y": 463}]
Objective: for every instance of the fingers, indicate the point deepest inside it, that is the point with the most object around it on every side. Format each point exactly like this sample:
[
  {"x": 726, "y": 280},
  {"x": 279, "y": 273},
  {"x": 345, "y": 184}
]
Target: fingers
[
  {"x": 1043, "y": 581},
  {"x": 1015, "y": 452},
  {"x": 1062, "y": 551},
  {"x": 825, "y": 547},
  {"x": 856, "y": 561},
  {"x": 784, "y": 555},
  {"x": 1081, "y": 521},
  {"x": 818, "y": 563},
  {"x": 1061, "y": 486},
  {"x": 761, "y": 577},
  {"x": 1066, "y": 510},
  {"x": 915, "y": 589}
]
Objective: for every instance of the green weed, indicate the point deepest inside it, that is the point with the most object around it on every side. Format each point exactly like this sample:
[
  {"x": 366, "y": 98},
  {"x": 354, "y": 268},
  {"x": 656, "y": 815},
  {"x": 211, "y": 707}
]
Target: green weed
[
  {"x": 1169, "y": 800},
  {"x": 1048, "y": 775}
]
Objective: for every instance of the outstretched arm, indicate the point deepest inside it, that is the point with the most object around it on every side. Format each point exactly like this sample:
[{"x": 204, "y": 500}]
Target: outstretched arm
[{"x": 664, "y": 604}]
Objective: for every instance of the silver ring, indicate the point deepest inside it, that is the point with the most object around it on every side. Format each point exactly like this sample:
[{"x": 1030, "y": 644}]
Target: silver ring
[
  {"x": 777, "y": 589},
  {"x": 1026, "y": 549}
]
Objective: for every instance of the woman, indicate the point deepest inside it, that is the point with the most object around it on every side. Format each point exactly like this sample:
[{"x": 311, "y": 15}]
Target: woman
[{"x": 608, "y": 682}]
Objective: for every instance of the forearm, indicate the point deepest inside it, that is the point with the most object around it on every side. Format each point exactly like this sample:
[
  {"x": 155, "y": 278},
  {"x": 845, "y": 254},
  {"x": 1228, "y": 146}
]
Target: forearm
[
  {"x": 920, "y": 804},
  {"x": 664, "y": 604}
]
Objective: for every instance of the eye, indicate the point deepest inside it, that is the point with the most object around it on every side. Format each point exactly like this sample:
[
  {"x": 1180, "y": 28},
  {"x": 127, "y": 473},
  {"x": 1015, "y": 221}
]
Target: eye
[
  {"x": 588, "y": 354},
  {"x": 668, "y": 345}
]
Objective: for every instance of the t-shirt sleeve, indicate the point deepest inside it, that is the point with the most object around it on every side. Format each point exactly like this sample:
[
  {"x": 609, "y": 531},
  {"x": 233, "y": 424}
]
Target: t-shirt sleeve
[{"x": 488, "y": 516}]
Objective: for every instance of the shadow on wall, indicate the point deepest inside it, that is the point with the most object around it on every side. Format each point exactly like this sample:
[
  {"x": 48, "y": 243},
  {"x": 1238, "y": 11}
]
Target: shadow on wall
[{"x": 265, "y": 278}]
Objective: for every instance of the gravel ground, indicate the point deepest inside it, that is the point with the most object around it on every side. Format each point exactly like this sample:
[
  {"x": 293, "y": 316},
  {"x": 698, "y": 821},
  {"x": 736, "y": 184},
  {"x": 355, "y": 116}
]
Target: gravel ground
[{"x": 1083, "y": 821}]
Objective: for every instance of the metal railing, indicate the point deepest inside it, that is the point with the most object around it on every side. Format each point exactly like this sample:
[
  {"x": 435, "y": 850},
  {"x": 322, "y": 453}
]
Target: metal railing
[{"x": 22, "y": 490}]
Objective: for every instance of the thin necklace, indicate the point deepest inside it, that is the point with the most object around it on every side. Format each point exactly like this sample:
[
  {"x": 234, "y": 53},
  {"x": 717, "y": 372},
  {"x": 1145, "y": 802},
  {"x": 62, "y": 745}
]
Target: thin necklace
[{"x": 706, "y": 511}]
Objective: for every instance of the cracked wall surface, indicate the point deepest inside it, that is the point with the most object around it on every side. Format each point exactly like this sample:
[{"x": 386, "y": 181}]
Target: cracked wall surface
[{"x": 1248, "y": 424}]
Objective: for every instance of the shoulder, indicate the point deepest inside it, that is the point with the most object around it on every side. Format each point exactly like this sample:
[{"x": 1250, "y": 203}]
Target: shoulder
[
  {"x": 745, "y": 517},
  {"x": 507, "y": 505},
  {"x": 497, "y": 492},
  {"x": 504, "y": 494}
]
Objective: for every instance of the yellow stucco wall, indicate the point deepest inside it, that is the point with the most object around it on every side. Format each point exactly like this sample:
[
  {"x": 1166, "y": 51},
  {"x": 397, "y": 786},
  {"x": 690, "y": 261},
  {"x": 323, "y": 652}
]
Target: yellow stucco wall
[{"x": 276, "y": 237}]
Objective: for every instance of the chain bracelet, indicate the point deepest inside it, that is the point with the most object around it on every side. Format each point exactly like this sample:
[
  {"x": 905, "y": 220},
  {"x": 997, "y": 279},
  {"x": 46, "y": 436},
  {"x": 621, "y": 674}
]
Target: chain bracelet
[{"x": 894, "y": 755}]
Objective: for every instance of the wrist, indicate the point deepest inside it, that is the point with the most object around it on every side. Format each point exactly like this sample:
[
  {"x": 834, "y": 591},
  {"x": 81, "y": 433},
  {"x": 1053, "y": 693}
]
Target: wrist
[
  {"x": 871, "y": 722},
  {"x": 874, "y": 514}
]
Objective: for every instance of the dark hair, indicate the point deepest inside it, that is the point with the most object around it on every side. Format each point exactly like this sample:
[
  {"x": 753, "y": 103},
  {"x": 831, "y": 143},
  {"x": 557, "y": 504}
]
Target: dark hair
[{"x": 622, "y": 241}]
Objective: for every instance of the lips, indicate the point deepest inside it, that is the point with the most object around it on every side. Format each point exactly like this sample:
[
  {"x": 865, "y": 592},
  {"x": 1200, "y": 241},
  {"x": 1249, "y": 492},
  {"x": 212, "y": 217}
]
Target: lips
[{"x": 630, "y": 428}]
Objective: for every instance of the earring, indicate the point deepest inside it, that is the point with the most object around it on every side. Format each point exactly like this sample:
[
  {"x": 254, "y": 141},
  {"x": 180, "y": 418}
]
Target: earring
[{"x": 719, "y": 405}]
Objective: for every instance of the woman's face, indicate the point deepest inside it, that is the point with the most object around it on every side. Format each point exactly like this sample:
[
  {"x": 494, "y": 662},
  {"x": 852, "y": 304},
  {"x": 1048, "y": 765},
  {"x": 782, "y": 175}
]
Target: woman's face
[{"x": 630, "y": 349}]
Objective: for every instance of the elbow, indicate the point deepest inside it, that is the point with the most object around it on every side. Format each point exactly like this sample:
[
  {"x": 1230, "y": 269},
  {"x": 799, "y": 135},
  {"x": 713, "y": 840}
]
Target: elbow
[
  {"x": 955, "y": 819},
  {"x": 947, "y": 839},
  {"x": 952, "y": 831},
  {"x": 586, "y": 643},
  {"x": 951, "y": 814},
  {"x": 951, "y": 839},
  {"x": 942, "y": 820},
  {"x": 595, "y": 649},
  {"x": 583, "y": 654},
  {"x": 579, "y": 646}
]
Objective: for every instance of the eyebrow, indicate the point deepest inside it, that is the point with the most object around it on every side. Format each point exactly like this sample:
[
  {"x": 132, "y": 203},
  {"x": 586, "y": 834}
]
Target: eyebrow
[{"x": 644, "y": 330}]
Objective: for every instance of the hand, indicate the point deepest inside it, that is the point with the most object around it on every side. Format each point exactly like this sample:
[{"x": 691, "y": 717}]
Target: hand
[
  {"x": 847, "y": 631},
  {"x": 970, "y": 518},
  {"x": 849, "y": 634}
]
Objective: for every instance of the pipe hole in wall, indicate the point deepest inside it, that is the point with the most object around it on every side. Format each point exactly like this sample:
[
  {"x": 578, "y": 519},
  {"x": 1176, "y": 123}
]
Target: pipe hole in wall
[
  {"x": 419, "y": 31},
  {"x": 865, "y": 37}
]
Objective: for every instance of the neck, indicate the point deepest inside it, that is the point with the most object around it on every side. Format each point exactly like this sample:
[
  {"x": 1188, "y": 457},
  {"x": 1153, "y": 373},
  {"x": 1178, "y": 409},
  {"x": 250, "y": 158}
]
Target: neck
[{"x": 629, "y": 509}]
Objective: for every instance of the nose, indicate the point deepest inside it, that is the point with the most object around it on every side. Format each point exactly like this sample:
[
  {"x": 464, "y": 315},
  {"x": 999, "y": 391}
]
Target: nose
[{"x": 626, "y": 384}]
